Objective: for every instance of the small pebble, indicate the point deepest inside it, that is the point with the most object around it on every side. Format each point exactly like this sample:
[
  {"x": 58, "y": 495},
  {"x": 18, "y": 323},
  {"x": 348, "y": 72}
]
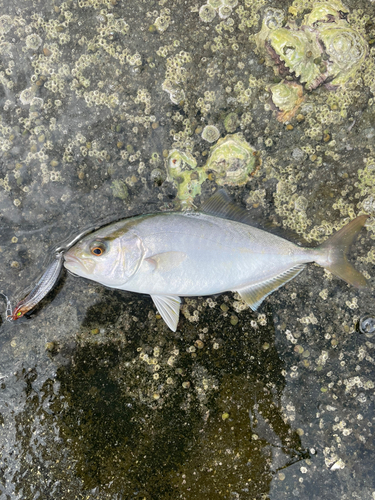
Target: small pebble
[{"x": 233, "y": 320}]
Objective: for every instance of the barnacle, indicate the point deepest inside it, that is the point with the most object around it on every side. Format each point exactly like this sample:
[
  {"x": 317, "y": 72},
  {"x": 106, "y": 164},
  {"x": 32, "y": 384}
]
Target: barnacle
[
  {"x": 6, "y": 24},
  {"x": 287, "y": 97},
  {"x": 346, "y": 49},
  {"x": 27, "y": 95},
  {"x": 207, "y": 13},
  {"x": 178, "y": 162},
  {"x": 273, "y": 18},
  {"x": 225, "y": 11},
  {"x": 231, "y": 3},
  {"x": 162, "y": 23},
  {"x": 176, "y": 94},
  {"x": 183, "y": 173},
  {"x": 232, "y": 161},
  {"x": 210, "y": 133},
  {"x": 297, "y": 52},
  {"x": 367, "y": 324},
  {"x": 216, "y": 4},
  {"x": 326, "y": 12},
  {"x": 33, "y": 41},
  {"x": 231, "y": 122}
]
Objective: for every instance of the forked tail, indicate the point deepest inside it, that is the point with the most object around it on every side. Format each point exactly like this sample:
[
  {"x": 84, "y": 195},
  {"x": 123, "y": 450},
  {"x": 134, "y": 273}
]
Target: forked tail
[{"x": 333, "y": 253}]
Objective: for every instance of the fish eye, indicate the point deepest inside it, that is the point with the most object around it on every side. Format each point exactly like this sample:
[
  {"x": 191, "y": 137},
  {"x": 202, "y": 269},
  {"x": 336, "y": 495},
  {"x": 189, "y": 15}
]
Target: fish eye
[
  {"x": 19, "y": 314},
  {"x": 98, "y": 248}
]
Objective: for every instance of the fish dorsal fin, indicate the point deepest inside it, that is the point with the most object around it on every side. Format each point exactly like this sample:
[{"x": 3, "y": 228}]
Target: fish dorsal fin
[
  {"x": 254, "y": 295},
  {"x": 169, "y": 309},
  {"x": 221, "y": 205}
]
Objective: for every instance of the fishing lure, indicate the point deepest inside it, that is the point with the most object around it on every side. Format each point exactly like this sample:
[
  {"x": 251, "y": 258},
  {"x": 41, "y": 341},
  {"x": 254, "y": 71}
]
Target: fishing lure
[
  {"x": 41, "y": 289},
  {"x": 46, "y": 282}
]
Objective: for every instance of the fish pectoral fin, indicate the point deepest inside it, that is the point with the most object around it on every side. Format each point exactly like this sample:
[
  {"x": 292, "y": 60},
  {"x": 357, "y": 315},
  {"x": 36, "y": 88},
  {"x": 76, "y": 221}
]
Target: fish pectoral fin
[
  {"x": 254, "y": 295},
  {"x": 166, "y": 261},
  {"x": 169, "y": 309}
]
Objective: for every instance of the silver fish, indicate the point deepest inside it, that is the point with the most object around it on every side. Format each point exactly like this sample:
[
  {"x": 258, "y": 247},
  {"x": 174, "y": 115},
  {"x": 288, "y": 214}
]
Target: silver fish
[{"x": 171, "y": 255}]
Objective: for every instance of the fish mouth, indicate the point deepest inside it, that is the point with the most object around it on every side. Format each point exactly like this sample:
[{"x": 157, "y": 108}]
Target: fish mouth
[
  {"x": 71, "y": 260},
  {"x": 77, "y": 266},
  {"x": 72, "y": 264}
]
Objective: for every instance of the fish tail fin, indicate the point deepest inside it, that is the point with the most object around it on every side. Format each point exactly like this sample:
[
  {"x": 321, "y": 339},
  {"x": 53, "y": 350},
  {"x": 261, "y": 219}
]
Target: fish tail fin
[{"x": 333, "y": 253}]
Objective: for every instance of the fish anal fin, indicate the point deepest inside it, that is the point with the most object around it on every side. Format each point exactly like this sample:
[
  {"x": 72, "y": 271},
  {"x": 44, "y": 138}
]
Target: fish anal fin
[
  {"x": 221, "y": 205},
  {"x": 166, "y": 261},
  {"x": 254, "y": 295},
  {"x": 169, "y": 309}
]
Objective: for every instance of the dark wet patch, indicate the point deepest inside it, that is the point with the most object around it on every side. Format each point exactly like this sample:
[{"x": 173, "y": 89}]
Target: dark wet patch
[{"x": 213, "y": 431}]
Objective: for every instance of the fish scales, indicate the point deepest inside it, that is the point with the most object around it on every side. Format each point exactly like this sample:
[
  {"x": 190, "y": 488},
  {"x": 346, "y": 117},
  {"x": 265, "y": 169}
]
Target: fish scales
[{"x": 221, "y": 255}]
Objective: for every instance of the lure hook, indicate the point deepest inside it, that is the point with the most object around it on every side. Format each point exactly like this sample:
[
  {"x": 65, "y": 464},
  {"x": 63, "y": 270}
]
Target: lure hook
[{"x": 9, "y": 308}]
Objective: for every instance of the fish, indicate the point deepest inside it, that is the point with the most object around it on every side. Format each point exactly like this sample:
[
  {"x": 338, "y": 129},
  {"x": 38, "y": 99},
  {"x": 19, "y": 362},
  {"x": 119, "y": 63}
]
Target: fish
[
  {"x": 41, "y": 289},
  {"x": 169, "y": 255}
]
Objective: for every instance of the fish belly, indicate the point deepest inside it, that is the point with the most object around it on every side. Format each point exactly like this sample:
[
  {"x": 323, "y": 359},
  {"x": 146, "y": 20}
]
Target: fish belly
[{"x": 213, "y": 255}]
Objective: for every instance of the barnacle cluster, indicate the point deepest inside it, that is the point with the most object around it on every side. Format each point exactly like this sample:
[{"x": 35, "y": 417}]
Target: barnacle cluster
[
  {"x": 323, "y": 50},
  {"x": 176, "y": 76},
  {"x": 232, "y": 161},
  {"x": 223, "y": 8}
]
